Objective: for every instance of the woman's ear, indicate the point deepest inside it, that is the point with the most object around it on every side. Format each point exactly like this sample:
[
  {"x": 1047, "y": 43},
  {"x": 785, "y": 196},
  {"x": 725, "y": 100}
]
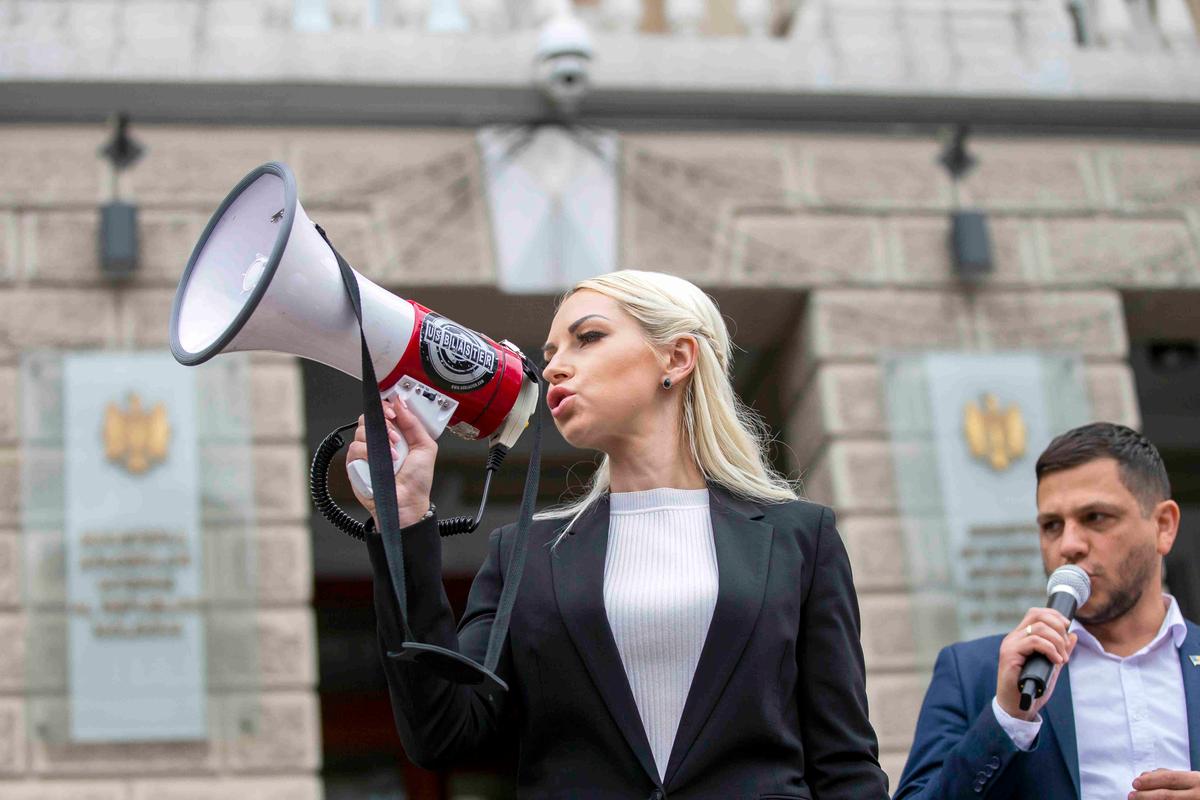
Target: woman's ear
[{"x": 681, "y": 358}]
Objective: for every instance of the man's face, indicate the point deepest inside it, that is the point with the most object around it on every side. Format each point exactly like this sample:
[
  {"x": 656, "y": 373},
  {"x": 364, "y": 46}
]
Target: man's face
[{"x": 1088, "y": 517}]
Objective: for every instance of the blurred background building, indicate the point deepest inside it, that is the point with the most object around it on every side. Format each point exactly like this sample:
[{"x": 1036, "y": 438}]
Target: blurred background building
[{"x": 942, "y": 230}]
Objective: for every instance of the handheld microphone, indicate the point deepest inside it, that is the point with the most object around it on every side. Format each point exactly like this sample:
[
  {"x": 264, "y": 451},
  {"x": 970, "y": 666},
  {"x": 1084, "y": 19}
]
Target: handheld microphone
[{"x": 1068, "y": 588}]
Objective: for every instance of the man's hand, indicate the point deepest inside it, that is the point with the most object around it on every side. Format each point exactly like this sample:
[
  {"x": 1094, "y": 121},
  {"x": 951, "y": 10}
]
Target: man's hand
[
  {"x": 1166, "y": 784},
  {"x": 1042, "y": 631}
]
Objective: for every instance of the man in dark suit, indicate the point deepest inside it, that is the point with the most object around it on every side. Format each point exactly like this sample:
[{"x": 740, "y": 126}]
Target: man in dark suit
[{"x": 1122, "y": 720}]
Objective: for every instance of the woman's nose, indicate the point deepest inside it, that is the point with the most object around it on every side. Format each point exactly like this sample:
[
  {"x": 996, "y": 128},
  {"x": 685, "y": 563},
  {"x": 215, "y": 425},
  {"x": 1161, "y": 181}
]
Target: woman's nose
[{"x": 556, "y": 371}]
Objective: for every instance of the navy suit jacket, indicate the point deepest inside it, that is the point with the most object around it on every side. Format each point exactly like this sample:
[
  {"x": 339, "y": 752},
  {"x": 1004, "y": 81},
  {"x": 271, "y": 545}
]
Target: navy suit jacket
[{"x": 960, "y": 750}]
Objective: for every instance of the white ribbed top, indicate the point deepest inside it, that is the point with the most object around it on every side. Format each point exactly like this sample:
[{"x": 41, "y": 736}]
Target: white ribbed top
[{"x": 660, "y": 589}]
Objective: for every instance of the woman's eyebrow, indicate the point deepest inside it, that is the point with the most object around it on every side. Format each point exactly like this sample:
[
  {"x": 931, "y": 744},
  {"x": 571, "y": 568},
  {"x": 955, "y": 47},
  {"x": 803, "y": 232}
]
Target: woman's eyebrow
[{"x": 549, "y": 348}]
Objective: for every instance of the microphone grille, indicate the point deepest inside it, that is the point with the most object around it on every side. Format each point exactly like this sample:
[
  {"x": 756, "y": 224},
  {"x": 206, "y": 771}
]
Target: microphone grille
[{"x": 1073, "y": 578}]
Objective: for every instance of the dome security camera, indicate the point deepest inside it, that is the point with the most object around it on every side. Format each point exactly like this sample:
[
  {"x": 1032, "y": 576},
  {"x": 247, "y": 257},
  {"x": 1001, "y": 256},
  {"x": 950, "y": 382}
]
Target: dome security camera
[{"x": 562, "y": 63}]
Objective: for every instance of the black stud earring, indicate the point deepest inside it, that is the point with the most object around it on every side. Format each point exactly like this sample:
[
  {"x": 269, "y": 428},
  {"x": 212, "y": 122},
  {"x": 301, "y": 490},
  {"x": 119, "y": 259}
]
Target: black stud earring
[{"x": 666, "y": 383}]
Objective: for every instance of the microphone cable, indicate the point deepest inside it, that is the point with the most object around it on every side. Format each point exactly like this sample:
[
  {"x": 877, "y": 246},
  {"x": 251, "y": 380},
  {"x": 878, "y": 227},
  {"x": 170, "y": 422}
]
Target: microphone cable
[{"x": 318, "y": 486}]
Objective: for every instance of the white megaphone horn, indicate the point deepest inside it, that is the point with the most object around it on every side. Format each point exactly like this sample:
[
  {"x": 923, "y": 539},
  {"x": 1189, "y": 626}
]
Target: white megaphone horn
[{"x": 262, "y": 277}]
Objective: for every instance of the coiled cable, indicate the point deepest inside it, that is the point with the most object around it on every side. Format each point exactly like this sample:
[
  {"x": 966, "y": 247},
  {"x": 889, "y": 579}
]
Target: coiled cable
[{"x": 318, "y": 486}]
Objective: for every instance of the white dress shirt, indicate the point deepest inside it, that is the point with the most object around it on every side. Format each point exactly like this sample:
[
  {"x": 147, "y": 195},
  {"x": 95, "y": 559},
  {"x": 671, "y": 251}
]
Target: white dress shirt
[{"x": 1130, "y": 714}]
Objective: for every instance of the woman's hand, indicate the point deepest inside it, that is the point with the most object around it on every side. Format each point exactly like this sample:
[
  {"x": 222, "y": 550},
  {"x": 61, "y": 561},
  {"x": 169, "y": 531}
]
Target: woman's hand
[{"x": 415, "y": 477}]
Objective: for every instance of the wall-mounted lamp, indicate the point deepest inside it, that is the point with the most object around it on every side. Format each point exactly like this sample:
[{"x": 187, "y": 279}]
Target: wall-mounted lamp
[
  {"x": 118, "y": 220},
  {"x": 970, "y": 243}
]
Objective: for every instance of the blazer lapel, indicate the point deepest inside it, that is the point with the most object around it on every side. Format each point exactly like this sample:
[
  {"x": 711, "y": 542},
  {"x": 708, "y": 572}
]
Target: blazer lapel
[
  {"x": 1060, "y": 717},
  {"x": 1191, "y": 688},
  {"x": 743, "y": 547},
  {"x": 577, "y": 563}
]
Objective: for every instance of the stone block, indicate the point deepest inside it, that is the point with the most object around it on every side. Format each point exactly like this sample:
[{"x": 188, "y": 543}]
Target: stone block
[
  {"x": 275, "y": 787},
  {"x": 10, "y": 247},
  {"x": 62, "y": 248},
  {"x": 432, "y": 231},
  {"x": 166, "y": 241},
  {"x": 10, "y": 487},
  {"x": 190, "y": 167},
  {"x": 47, "y": 658},
  {"x": 863, "y": 324},
  {"x": 276, "y": 401},
  {"x": 12, "y": 655},
  {"x": 855, "y": 476},
  {"x": 272, "y": 732},
  {"x": 271, "y": 649},
  {"x": 284, "y": 565},
  {"x": 840, "y": 399},
  {"x": 852, "y": 171},
  {"x": 805, "y": 427},
  {"x": 64, "y": 758},
  {"x": 887, "y": 631},
  {"x": 272, "y": 568},
  {"x": 9, "y": 400},
  {"x": 10, "y": 570},
  {"x": 357, "y": 237},
  {"x": 876, "y": 548},
  {"x": 680, "y": 196},
  {"x": 1090, "y": 322},
  {"x": 65, "y": 790},
  {"x": 658, "y": 236},
  {"x": 57, "y": 318},
  {"x": 808, "y": 250},
  {"x": 1153, "y": 176},
  {"x": 816, "y": 481},
  {"x": 352, "y": 167},
  {"x": 52, "y": 165},
  {"x": 895, "y": 701},
  {"x": 920, "y": 251},
  {"x": 893, "y": 765},
  {"x": 1030, "y": 175},
  {"x": 1113, "y": 394},
  {"x": 1120, "y": 251},
  {"x": 280, "y": 482},
  {"x": 14, "y": 745},
  {"x": 146, "y": 317},
  {"x": 711, "y": 169},
  {"x": 286, "y": 648}
]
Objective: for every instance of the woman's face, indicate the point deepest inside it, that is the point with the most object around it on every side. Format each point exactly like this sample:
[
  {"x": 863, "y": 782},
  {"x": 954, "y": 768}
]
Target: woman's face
[{"x": 604, "y": 377}]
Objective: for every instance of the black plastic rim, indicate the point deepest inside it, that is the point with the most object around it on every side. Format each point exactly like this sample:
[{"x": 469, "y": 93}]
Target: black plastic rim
[{"x": 282, "y": 171}]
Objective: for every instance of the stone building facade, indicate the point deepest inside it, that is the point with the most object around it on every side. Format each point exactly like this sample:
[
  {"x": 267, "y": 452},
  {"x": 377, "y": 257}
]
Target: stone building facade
[{"x": 833, "y": 221}]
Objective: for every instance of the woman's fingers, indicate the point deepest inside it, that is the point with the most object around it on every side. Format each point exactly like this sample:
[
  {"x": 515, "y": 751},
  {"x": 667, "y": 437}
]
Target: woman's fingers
[{"x": 410, "y": 427}]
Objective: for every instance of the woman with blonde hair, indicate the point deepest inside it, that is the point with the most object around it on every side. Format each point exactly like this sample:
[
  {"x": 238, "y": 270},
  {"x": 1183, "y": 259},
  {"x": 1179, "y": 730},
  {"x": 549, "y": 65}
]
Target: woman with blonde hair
[{"x": 686, "y": 629}]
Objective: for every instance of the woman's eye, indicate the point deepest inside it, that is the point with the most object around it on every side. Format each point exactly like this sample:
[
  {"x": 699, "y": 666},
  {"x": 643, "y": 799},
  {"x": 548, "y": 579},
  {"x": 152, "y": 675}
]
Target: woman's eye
[{"x": 590, "y": 336}]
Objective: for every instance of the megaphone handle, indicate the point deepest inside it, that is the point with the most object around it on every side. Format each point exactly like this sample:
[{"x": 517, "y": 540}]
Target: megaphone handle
[
  {"x": 360, "y": 471},
  {"x": 432, "y": 409}
]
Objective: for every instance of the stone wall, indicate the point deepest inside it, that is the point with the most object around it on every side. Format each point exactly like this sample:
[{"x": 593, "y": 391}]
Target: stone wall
[
  {"x": 52, "y": 295},
  {"x": 856, "y": 223}
]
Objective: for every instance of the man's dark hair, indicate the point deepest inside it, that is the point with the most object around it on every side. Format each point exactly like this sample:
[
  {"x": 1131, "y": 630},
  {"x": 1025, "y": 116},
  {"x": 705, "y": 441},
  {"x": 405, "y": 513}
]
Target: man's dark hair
[{"x": 1139, "y": 464}]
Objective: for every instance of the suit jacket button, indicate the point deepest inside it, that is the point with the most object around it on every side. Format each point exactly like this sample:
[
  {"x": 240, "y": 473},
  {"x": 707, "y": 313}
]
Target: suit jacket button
[
  {"x": 658, "y": 795},
  {"x": 994, "y": 763},
  {"x": 978, "y": 787}
]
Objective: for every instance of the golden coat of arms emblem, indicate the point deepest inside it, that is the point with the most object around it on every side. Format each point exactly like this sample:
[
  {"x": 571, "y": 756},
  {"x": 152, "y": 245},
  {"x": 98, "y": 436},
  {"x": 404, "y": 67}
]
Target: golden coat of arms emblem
[
  {"x": 135, "y": 438},
  {"x": 994, "y": 435}
]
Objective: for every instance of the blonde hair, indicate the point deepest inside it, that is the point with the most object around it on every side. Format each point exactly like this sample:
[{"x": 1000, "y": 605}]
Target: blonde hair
[{"x": 727, "y": 439}]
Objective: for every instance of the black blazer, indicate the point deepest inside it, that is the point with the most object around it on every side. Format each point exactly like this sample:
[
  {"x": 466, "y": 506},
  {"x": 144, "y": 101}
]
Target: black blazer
[{"x": 777, "y": 707}]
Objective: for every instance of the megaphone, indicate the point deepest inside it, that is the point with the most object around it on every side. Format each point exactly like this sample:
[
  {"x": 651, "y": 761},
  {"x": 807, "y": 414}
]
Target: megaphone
[{"x": 263, "y": 277}]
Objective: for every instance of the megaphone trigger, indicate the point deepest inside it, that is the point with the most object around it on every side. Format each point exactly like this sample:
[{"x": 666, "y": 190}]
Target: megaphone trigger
[{"x": 430, "y": 406}]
